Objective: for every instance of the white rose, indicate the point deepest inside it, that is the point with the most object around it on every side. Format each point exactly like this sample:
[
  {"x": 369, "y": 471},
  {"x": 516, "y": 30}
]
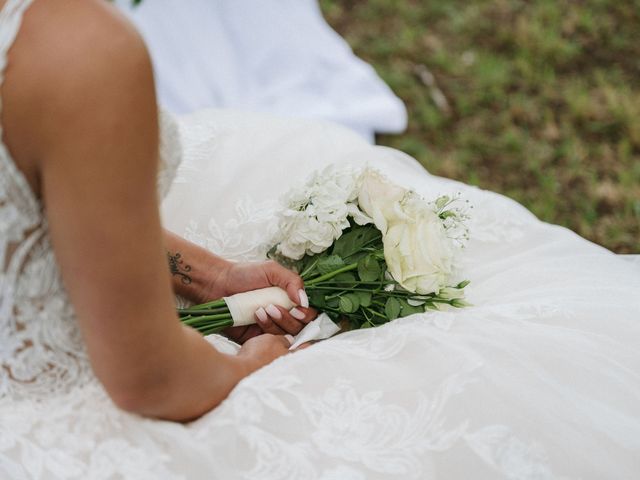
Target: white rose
[
  {"x": 416, "y": 247},
  {"x": 378, "y": 198},
  {"x": 418, "y": 252}
]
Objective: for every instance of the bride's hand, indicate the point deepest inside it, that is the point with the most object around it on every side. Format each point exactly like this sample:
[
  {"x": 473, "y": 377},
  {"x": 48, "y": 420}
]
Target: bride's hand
[
  {"x": 262, "y": 350},
  {"x": 201, "y": 276},
  {"x": 242, "y": 277}
]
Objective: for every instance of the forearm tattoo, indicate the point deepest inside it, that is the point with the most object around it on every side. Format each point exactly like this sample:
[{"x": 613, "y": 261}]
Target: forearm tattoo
[{"x": 177, "y": 267}]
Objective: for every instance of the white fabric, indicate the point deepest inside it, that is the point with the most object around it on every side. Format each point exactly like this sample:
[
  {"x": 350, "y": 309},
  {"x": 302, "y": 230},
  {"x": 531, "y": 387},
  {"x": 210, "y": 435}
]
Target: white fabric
[
  {"x": 321, "y": 328},
  {"x": 276, "y": 56},
  {"x": 243, "y": 306},
  {"x": 635, "y": 259},
  {"x": 539, "y": 379}
]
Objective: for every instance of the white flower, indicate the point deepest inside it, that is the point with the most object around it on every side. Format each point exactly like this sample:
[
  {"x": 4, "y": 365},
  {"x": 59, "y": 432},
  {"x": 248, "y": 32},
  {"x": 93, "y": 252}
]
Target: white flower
[
  {"x": 317, "y": 214},
  {"x": 378, "y": 198},
  {"x": 418, "y": 252}
]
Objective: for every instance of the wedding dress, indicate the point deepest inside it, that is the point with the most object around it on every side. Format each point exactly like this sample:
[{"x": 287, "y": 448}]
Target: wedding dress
[
  {"x": 277, "y": 56},
  {"x": 539, "y": 379}
]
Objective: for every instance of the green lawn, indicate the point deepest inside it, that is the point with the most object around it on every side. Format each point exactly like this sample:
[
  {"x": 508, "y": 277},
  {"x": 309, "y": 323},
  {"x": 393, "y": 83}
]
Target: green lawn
[{"x": 539, "y": 100}]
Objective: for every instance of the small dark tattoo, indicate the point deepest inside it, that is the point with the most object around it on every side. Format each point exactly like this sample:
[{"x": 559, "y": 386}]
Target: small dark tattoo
[{"x": 177, "y": 267}]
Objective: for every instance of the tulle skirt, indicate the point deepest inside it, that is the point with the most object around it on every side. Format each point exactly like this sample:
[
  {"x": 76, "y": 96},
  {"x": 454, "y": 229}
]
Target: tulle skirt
[{"x": 539, "y": 378}]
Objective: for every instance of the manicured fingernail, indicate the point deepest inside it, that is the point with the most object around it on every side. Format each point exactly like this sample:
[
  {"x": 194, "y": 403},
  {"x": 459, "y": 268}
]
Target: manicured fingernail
[
  {"x": 304, "y": 300},
  {"x": 274, "y": 312},
  {"x": 261, "y": 314},
  {"x": 290, "y": 338},
  {"x": 297, "y": 314}
]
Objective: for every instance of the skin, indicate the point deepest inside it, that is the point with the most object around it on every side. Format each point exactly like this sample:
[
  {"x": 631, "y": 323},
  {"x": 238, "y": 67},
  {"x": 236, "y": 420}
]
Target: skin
[
  {"x": 199, "y": 275},
  {"x": 80, "y": 120}
]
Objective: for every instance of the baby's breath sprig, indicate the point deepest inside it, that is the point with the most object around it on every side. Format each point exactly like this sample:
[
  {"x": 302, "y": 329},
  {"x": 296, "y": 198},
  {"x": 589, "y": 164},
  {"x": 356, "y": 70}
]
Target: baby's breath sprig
[{"x": 454, "y": 213}]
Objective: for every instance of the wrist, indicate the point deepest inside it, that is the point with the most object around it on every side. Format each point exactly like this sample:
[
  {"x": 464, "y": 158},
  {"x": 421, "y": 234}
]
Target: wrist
[{"x": 195, "y": 272}]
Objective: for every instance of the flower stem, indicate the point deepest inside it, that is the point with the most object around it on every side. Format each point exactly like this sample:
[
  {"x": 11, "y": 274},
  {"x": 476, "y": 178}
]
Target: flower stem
[
  {"x": 209, "y": 305},
  {"x": 208, "y": 318},
  {"x": 327, "y": 276},
  {"x": 202, "y": 311}
]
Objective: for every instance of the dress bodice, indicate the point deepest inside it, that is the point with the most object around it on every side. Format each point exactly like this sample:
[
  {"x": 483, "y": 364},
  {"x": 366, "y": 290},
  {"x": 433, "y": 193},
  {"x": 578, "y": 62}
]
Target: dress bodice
[{"x": 41, "y": 350}]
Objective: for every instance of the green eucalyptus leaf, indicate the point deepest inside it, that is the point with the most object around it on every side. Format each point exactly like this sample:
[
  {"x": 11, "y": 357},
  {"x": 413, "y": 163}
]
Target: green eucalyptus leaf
[
  {"x": 332, "y": 302},
  {"x": 369, "y": 269},
  {"x": 364, "y": 298},
  {"x": 355, "y": 239},
  {"x": 346, "y": 279},
  {"x": 329, "y": 264},
  {"x": 349, "y": 303},
  {"x": 392, "y": 308},
  {"x": 345, "y": 305},
  {"x": 408, "y": 309},
  {"x": 355, "y": 299},
  {"x": 316, "y": 299}
]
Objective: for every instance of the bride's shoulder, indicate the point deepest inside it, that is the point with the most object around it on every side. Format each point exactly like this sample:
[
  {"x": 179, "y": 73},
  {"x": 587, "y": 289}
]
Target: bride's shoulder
[
  {"x": 71, "y": 59},
  {"x": 68, "y": 39}
]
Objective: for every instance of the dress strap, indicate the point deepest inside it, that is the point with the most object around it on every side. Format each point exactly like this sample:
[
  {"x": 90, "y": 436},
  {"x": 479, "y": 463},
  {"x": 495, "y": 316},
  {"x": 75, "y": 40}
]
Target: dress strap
[
  {"x": 12, "y": 179},
  {"x": 10, "y": 20}
]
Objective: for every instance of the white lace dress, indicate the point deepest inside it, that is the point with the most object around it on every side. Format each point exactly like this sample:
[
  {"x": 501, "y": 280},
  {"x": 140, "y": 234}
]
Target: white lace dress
[{"x": 539, "y": 379}]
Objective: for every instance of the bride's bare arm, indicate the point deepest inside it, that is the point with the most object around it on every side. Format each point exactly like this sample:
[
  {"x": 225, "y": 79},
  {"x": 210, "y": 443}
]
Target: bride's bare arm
[
  {"x": 88, "y": 105},
  {"x": 200, "y": 276}
]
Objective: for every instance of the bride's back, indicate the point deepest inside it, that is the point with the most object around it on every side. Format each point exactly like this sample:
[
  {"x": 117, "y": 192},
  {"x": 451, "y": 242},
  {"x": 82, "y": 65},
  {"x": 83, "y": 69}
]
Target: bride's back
[
  {"x": 63, "y": 64},
  {"x": 78, "y": 159}
]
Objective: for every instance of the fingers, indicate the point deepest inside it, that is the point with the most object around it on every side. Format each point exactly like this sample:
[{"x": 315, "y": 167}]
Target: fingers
[
  {"x": 250, "y": 332},
  {"x": 303, "y": 315},
  {"x": 287, "y": 280},
  {"x": 266, "y": 322},
  {"x": 278, "y": 320},
  {"x": 242, "y": 334}
]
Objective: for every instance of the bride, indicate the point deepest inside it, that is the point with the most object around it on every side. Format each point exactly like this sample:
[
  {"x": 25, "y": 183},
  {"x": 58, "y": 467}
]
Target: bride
[{"x": 539, "y": 379}]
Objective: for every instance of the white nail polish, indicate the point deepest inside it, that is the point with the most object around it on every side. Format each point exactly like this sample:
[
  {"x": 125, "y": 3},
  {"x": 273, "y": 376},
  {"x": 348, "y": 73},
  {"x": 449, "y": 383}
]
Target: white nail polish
[
  {"x": 297, "y": 314},
  {"x": 290, "y": 338},
  {"x": 261, "y": 314},
  {"x": 304, "y": 300},
  {"x": 274, "y": 312}
]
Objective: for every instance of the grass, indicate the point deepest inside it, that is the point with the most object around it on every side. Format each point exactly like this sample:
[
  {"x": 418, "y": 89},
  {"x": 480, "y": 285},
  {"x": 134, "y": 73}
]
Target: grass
[{"x": 541, "y": 99}]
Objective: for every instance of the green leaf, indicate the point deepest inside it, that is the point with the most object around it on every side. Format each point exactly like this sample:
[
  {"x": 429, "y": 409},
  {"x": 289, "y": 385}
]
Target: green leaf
[
  {"x": 355, "y": 299},
  {"x": 392, "y": 308},
  {"x": 369, "y": 269},
  {"x": 332, "y": 302},
  {"x": 408, "y": 309},
  {"x": 329, "y": 264},
  {"x": 345, "y": 305},
  {"x": 345, "y": 279},
  {"x": 349, "y": 303},
  {"x": 365, "y": 298},
  {"x": 463, "y": 284},
  {"x": 316, "y": 299},
  {"x": 355, "y": 239}
]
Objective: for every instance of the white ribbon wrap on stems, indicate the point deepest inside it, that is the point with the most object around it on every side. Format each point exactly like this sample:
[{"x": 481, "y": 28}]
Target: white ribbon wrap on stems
[{"x": 243, "y": 306}]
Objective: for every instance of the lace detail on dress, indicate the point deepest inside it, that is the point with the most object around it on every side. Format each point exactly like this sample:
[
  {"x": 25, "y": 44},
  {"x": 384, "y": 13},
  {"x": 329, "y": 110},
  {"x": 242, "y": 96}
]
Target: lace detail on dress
[
  {"x": 170, "y": 152},
  {"x": 41, "y": 350},
  {"x": 246, "y": 236}
]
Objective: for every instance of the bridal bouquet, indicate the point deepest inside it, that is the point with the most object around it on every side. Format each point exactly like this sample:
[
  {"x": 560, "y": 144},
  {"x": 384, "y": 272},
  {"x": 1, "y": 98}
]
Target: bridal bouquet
[{"x": 369, "y": 251}]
